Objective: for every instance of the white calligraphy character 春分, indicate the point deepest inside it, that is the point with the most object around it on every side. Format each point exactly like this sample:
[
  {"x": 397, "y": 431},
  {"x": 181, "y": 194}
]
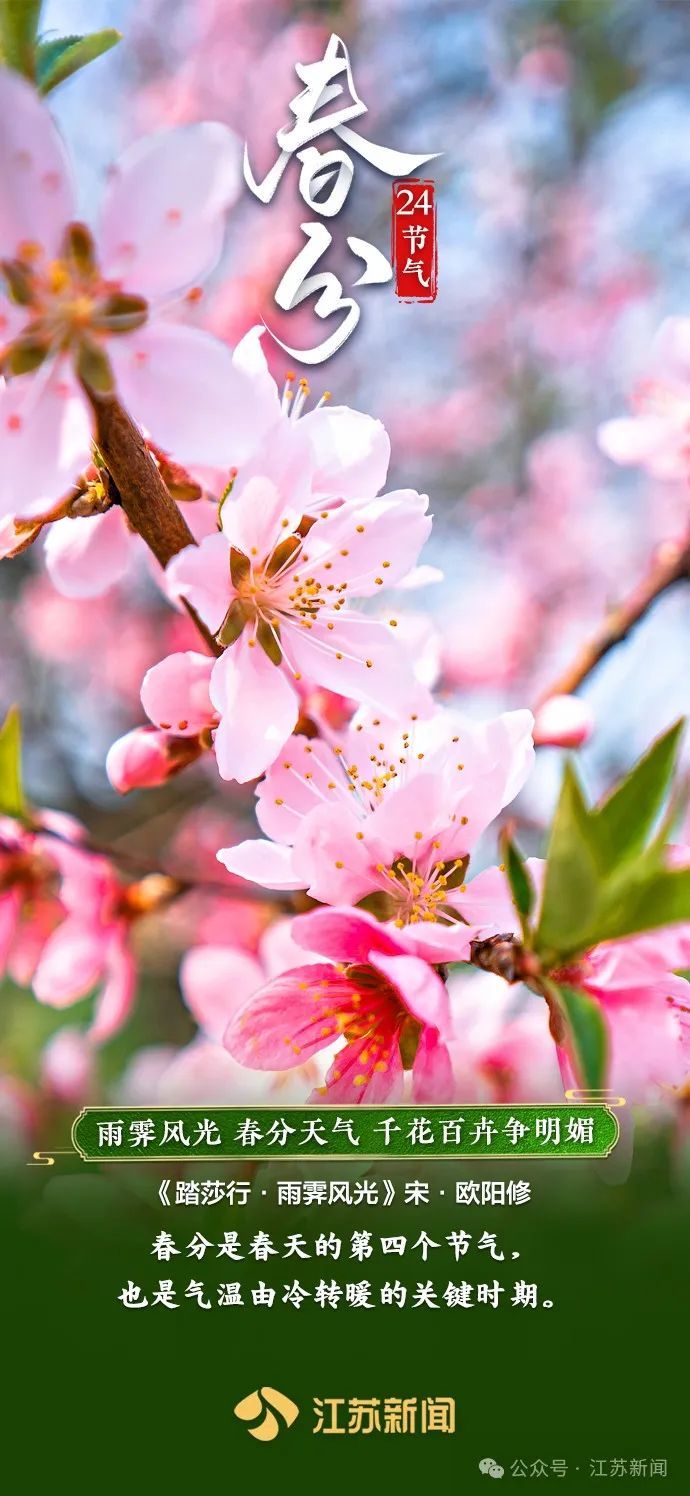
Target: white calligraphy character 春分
[{"x": 326, "y": 105}]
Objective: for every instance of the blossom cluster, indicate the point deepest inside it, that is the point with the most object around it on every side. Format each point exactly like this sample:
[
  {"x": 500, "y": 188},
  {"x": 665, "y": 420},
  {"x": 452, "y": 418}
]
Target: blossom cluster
[{"x": 310, "y": 680}]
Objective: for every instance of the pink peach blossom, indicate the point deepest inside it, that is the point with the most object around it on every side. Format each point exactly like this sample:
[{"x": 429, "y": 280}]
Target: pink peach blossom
[
  {"x": 391, "y": 816},
  {"x": 161, "y": 230},
  {"x": 64, "y": 921},
  {"x": 90, "y": 947},
  {"x": 326, "y": 454},
  {"x": 275, "y": 590}
]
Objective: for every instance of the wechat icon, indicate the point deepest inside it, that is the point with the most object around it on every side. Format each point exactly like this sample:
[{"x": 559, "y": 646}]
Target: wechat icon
[{"x": 489, "y": 1467}]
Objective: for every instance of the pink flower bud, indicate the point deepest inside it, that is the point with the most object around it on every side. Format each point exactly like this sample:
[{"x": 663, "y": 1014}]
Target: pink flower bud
[
  {"x": 563, "y": 722},
  {"x": 146, "y": 757}
]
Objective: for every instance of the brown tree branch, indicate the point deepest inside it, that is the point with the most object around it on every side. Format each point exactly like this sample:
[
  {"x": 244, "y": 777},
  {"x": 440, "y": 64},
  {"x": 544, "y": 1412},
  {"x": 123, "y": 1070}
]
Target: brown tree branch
[
  {"x": 671, "y": 564},
  {"x": 140, "y": 489}
]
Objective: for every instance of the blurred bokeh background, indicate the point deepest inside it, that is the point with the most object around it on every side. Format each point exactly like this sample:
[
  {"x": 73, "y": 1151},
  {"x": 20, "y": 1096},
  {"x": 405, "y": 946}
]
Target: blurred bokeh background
[{"x": 564, "y": 241}]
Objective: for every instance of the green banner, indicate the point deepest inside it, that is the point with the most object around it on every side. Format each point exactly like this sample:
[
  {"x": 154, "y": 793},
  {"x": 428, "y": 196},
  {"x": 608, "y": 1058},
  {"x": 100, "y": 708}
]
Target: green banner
[{"x": 567, "y": 1130}]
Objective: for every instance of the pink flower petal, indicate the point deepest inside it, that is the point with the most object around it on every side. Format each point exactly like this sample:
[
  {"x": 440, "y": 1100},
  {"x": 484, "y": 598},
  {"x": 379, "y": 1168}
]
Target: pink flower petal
[
  {"x": 345, "y": 935},
  {"x": 71, "y": 964},
  {"x": 632, "y": 970},
  {"x": 263, "y": 862},
  {"x": 258, "y": 709},
  {"x": 163, "y": 218},
  {"x": 370, "y": 545},
  {"x": 201, "y": 574},
  {"x": 351, "y": 451},
  {"x": 115, "y": 1002},
  {"x": 259, "y": 517},
  {"x": 496, "y": 757},
  {"x": 254, "y": 450},
  {"x": 283, "y": 457},
  {"x": 356, "y": 1076},
  {"x": 215, "y": 981},
  {"x": 10, "y": 909},
  {"x": 438, "y": 942},
  {"x": 36, "y": 199},
  {"x": 67, "y": 1068},
  {"x": 409, "y": 818},
  {"x": 85, "y": 557},
  {"x": 286, "y": 1021},
  {"x": 300, "y": 780},
  {"x": 486, "y": 900},
  {"x": 337, "y": 659},
  {"x": 175, "y": 694},
  {"x": 88, "y": 881},
  {"x": 432, "y": 1071},
  {"x": 249, "y": 356},
  {"x": 181, "y": 385},
  {"x": 45, "y": 440},
  {"x": 332, "y": 861},
  {"x": 643, "y": 1072},
  {"x": 421, "y": 989}
]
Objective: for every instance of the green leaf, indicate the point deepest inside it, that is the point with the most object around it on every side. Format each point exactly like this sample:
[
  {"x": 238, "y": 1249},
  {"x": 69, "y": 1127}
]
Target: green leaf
[
  {"x": 573, "y": 875},
  {"x": 18, "y": 26},
  {"x": 58, "y": 60},
  {"x": 623, "y": 822},
  {"x": 605, "y": 879},
  {"x": 588, "y": 1037},
  {"x": 521, "y": 885},
  {"x": 644, "y": 901},
  {"x": 12, "y": 801}
]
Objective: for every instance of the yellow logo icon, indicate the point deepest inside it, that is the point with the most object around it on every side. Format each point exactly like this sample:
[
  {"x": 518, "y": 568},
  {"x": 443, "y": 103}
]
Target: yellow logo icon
[{"x": 264, "y": 1405}]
